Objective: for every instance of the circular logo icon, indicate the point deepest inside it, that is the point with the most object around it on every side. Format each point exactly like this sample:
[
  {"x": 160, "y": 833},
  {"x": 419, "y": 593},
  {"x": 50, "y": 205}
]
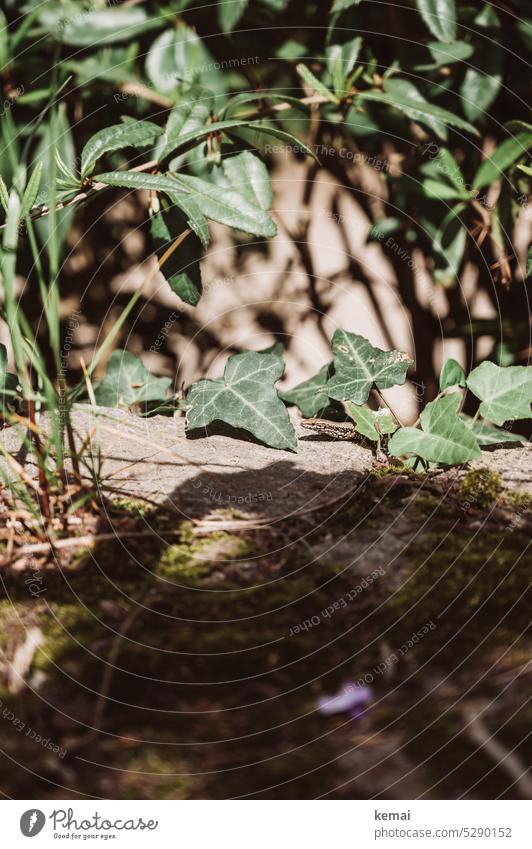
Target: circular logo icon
[{"x": 32, "y": 822}]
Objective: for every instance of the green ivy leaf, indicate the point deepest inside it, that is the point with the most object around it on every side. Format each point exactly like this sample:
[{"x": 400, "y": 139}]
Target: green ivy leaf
[
  {"x": 359, "y": 366},
  {"x": 444, "y": 437},
  {"x": 505, "y": 391},
  {"x": 249, "y": 176},
  {"x": 487, "y": 434},
  {"x": 440, "y": 18},
  {"x": 245, "y": 398},
  {"x": 227, "y": 206},
  {"x": 128, "y": 383},
  {"x": 312, "y": 395},
  {"x": 452, "y": 374},
  {"x": 372, "y": 424},
  {"x": 117, "y": 137},
  {"x": 182, "y": 268}
]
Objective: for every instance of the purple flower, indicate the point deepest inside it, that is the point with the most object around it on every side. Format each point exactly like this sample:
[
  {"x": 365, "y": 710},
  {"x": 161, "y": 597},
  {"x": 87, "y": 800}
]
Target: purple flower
[{"x": 351, "y": 698}]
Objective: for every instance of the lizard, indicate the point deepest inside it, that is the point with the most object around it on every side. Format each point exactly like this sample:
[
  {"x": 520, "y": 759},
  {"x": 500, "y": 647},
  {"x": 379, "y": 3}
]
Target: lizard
[{"x": 342, "y": 430}]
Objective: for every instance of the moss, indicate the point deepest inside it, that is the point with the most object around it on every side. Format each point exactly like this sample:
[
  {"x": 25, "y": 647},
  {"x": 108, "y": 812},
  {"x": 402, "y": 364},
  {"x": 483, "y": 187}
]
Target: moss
[
  {"x": 480, "y": 487},
  {"x": 519, "y": 501}
]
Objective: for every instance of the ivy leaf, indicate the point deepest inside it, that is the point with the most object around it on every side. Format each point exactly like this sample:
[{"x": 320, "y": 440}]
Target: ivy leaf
[
  {"x": 182, "y": 268},
  {"x": 312, "y": 395},
  {"x": 487, "y": 434},
  {"x": 440, "y": 17},
  {"x": 372, "y": 424},
  {"x": 230, "y": 12},
  {"x": 227, "y": 206},
  {"x": 444, "y": 438},
  {"x": 452, "y": 374},
  {"x": 249, "y": 176},
  {"x": 245, "y": 398},
  {"x": 128, "y": 382},
  {"x": 359, "y": 366},
  {"x": 505, "y": 391},
  {"x": 117, "y": 137}
]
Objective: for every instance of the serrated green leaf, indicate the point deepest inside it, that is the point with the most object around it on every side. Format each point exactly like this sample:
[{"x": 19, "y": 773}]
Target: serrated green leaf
[
  {"x": 404, "y": 96},
  {"x": 359, "y": 367},
  {"x": 227, "y": 206},
  {"x": 487, "y": 434},
  {"x": 504, "y": 155},
  {"x": 505, "y": 391},
  {"x": 128, "y": 383},
  {"x": 190, "y": 115},
  {"x": 452, "y": 374},
  {"x": 182, "y": 268},
  {"x": 373, "y": 424},
  {"x": 315, "y": 84},
  {"x": 32, "y": 190},
  {"x": 444, "y": 437},
  {"x": 117, "y": 137},
  {"x": 244, "y": 398},
  {"x": 440, "y": 18},
  {"x": 252, "y": 134},
  {"x": 161, "y": 183},
  {"x": 230, "y": 12},
  {"x": 312, "y": 395},
  {"x": 249, "y": 176}
]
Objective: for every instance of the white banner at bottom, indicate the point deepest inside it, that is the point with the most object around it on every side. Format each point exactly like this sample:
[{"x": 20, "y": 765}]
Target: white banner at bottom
[{"x": 267, "y": 824}]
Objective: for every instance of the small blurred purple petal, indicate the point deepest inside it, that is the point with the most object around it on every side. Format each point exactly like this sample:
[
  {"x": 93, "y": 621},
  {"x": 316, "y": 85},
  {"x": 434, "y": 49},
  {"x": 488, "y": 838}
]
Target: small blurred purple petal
[{"x": 351, "y": 699}]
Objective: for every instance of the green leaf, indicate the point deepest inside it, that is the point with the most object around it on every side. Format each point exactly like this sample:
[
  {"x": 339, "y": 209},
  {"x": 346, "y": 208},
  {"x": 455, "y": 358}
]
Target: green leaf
[
  {"x": 503, "y": 156},
  {"x": 444, "y": 438},
  {"x": 161, "y": 183},
  {"x": 446, "y": 54},
  {"x": 505, "y": 391},
  {"x": 179, "y": 54},
  {"x": 249, "y": 176},
  {"x": 230, "y": 12},
  {"x": 342, "y": 5},
  {"x": 128, "y": 383},
  {"x": 8, "y": 382},
  {"x": 479, "y": 90},
  {"x": 32, "y": 190},
  {"x": 314, "y": 83},
  {"x": 341, "y": 59},
  {"x": 372, "y": 424},
  {"x": 188, "y": 116},
  {"x": 253, "y": 132},
  {"x": 4, "y": 194},
  {"x": 442, "y": 191},
  {"x": 117, "y": 137},
  {"x": 487, "y": 434},
  {"x": 182, "y": 268},
  {"x": 383, "y": 227},
  {"x": 359, "y": 366},
  {"x": 244, "y": 398},
  {"x": 440, "y": 18},
  {"x": 312, "y": 395},
  {"x": 404, "y": 96},
  {"x": 228, "y": 206},
  {"x": 452, "y": 374},
  {"x": 449, "y": 244},
  {"x": 98, "y": 27}
]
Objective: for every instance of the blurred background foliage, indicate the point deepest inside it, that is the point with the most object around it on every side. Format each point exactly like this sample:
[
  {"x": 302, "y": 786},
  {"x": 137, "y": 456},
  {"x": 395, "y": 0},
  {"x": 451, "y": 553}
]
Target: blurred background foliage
[{"x": 412, "y": 225}]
